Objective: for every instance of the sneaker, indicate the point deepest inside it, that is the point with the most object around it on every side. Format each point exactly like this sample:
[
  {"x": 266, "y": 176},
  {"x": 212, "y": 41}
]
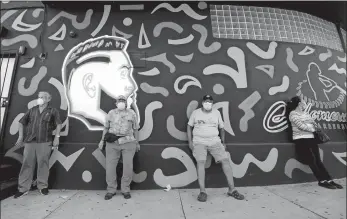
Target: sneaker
[
  {"x": 20, "y": 194},
  {"x": 108, "y": 196},
  {"x": 44, "y": 191},
  {"x": 127, "y": 195},
  {"x": 338, "y": 186},
  {"x": 327, "y": 185}
]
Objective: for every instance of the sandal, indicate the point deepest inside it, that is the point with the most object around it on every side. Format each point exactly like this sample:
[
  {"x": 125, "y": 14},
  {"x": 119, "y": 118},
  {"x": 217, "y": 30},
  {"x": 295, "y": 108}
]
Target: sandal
[
  {"x": 202, "y": 197},
  {"x": 236, "y": 195}
]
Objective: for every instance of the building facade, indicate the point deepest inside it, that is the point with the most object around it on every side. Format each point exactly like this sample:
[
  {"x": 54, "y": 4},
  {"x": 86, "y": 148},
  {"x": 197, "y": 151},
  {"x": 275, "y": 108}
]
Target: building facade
[{"x": 165, "y": 56}]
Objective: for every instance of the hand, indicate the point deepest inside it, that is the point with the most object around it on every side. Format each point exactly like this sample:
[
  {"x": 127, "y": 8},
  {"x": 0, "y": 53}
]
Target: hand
[
  {"x": 56, "y": 142},
  {"x": 137, "y": 146},
  {"x": 19, "y": 142},
  {"x": 225, "y": 146},
  {"x": 101, "y": 144},
  {"x": 191, "y": 146}
]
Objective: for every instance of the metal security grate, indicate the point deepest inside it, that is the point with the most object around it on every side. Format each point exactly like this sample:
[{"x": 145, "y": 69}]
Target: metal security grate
[
  {"x": 272, "y": 24},
  {"x": 7, "y": 64}
]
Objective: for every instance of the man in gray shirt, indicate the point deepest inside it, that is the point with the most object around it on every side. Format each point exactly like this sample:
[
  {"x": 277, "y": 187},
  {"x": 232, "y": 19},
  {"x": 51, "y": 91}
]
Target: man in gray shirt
[{"x": 204, "y": 126}]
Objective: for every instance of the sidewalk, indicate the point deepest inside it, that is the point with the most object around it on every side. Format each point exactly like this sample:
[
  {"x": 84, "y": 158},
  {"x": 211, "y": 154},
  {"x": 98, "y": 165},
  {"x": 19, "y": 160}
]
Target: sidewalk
[{"x": 299, "y": 201}]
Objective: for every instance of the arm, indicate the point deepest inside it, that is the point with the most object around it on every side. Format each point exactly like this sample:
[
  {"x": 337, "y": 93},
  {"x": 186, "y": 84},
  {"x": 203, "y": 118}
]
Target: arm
[
  {"x": 58, "y": 123},
  {"x": 296, "y": 120},
  {"x": 221, "y": 128},
  {"x": 189, "y": 133},
  {"x": 22, "y": 122},
  {"x": 222, "y": 135},
  {"x": 190, "y": 129}
]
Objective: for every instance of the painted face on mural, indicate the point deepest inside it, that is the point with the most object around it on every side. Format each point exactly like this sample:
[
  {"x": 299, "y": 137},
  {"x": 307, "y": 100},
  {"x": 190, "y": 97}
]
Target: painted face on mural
[{"x": 95, "y": 66}]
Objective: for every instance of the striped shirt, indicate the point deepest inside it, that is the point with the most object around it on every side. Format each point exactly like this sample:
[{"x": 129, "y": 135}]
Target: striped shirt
[
  {"x": 39, "y": 126},
  {"x": 302, "y": 125}
]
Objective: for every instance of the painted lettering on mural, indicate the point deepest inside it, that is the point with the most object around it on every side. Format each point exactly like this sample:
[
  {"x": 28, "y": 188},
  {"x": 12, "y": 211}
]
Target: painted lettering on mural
[{"x": 83, "y": 81}]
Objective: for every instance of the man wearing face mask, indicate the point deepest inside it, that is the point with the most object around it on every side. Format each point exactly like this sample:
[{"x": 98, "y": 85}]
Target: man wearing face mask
[
  {"x": 122, "y": 123},
  {"x": 39, "y": 123},
  {"x": 206, "y": 134}
]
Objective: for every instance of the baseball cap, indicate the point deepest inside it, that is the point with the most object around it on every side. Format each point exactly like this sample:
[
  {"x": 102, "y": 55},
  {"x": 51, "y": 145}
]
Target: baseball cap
[
  {"x": 121, "y": 98},
  {"x": 207, "y": 97}
]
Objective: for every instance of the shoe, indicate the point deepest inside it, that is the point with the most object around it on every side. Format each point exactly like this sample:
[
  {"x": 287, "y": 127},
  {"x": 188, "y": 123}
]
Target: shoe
[
  {"x": 327, "y": 185},
  {"x": 108, "y": 196},
  {"x": 338, "y": 186},
  {"x": 44, "y": 191},
  {"x": 20, "y": 194},
  {"x": 202, "y": 197},
  {"x": 127, "y": 195}
]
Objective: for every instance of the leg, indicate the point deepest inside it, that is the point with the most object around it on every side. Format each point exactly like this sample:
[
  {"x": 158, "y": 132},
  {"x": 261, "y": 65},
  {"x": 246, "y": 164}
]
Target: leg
[
  {"x": 128, "y": 152},
  {"x": 221, "y": 156},
  {"x": 319, "y": 164},
  {"x": 112, "y": 158},
  {"x": 26, "y": 173},
  {"x": 43, "y": 152},
  {"x": 200, "y": 154}
]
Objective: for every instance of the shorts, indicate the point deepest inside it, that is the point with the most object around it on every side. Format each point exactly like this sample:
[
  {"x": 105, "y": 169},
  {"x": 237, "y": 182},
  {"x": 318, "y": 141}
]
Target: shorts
[{"x": 217, "y": 151}]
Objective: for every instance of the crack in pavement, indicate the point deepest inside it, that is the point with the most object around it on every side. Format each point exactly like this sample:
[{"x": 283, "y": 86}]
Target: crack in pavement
[
  {"x": 61, "y": 204},
  {"x": 297, "y": 204}
]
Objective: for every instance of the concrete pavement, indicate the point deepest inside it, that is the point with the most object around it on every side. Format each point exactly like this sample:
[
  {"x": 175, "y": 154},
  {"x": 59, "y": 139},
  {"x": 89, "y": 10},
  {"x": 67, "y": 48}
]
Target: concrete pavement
[{"x": 299, "y": 201}]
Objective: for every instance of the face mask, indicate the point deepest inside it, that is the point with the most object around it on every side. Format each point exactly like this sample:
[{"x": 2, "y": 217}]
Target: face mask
[
  {"x": 207, "y": 106},
  {"x": 40, "y": 101},
  {"x": 121, "y": 105}
]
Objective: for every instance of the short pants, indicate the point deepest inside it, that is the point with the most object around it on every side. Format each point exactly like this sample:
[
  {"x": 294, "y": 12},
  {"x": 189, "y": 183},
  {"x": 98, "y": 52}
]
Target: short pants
[{"x": 217, "y": 150}]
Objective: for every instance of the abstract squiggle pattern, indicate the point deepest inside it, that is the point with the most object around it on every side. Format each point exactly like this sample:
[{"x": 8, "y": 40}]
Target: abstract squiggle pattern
[
  {"x": 193, "y": 82},
  {"x": 183, "y": 7},
  {"x": 36, "y": 12},
  {"x": 240, "y": 76},
  {"x": 339, "y": 157},
  {"x": 6, "y": 15},
  {"x": 65, "y": 161},
  {"x": 185, "y": 40},
  {"x": 107, "y": 10},
  {"x": 152, "y": 72},
  {"x": 338, "y": 70},
  {"x": 162, "y": 58},
  {"x": 29, "y": 64},
  {"x": 281, "y": 88},
  {"x": 269, "y": 54},
  {"x": 79, "y": 26},
  {"x": 289, "y": 60},
  {"x": 147, "y": 127},
  {"x": 267, "y": 165},
  {"x": 273, "y": 115},
  {"x": 64, "y": 125},
  {"x": 306, "y": 51},
  {"x": 59, "y": 48},
  {"x": 186, "y": 58},
  {"x": 171, "y": 25},
  {"x": 61, "y": 31},
  {"x": 218, "y": 89},
  {"x": 143, "y": 36},
  {"x": 57, "y": 84},
  {"x": 191, "y": 107},
  {"x": 225, "y": 112},
  {"x": 14, "y": 125},
  {"x": 154, "y": 90},
  {"x": 19, "y": 25},
  {"x": 115, "y": 31},
  {"x": 214, "y": 47},
  {"x": 30, "y": 39},
  {"x": 181, "y": 179},
  {"x": 247, "y": 106},
  {"x": 293, "y": 164},
  {"x": 34, "y": 83},
  {"x": 268, "y": 69},
  {"x": 173, "y": 131},
  {"x": 138, "y": 7},
  {"x": 325, "y": 56},
  {"x": 342, "y": 59}
]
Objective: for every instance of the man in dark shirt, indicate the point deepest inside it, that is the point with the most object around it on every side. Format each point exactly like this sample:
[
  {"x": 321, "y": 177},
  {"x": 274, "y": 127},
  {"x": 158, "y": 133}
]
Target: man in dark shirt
[{"x": 39, "y": 123}]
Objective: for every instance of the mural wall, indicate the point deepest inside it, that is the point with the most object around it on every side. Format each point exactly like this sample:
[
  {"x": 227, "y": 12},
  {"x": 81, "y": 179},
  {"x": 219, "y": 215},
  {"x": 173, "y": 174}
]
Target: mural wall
[{"x": 165, "y": 57}]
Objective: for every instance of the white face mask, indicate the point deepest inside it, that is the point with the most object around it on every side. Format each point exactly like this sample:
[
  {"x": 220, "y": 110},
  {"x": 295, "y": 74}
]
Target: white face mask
[
  {"x": 207, "y": 106},
  {"x": 40, "y": 102},
  {"x": 121, "y": 105}
]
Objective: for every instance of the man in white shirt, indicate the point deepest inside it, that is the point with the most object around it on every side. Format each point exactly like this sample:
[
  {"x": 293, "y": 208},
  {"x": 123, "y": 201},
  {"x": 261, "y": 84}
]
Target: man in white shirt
[{"x": 204, "y": 127}]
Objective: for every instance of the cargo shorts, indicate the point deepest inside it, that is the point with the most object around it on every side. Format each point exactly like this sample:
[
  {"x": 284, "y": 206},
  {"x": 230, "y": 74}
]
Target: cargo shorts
[{"x": 217, "y": 151}]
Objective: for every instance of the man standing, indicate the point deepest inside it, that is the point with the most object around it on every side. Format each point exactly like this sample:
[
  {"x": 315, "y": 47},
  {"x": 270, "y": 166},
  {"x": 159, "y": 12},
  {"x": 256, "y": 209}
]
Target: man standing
[
  {"x": 39, "y": 123},
  {"x": 122, "y": 123},
  {"x": 204, "y": 126}
]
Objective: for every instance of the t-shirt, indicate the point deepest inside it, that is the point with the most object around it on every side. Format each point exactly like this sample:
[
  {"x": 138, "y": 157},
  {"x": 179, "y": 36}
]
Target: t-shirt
[
  {"x": 122, "y": 123},
  {"x": 206, "y": 126}
]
